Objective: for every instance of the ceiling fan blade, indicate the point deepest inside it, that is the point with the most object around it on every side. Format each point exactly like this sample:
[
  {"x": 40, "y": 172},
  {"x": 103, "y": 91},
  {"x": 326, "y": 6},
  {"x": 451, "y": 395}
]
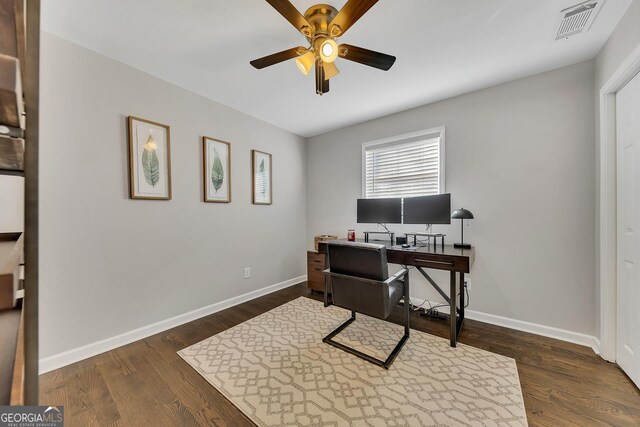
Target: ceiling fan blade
[
  {"x": 348, "y": 15},
  {"x": 291, "y": 14},
  {"x": 276, "y": 58},
  {"x": 322, "y": 84},
  {"x": 378, "y": 60}
]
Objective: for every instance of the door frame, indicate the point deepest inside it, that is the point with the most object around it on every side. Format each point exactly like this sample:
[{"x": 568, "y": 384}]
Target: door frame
[{"x": 606, "y": 244}]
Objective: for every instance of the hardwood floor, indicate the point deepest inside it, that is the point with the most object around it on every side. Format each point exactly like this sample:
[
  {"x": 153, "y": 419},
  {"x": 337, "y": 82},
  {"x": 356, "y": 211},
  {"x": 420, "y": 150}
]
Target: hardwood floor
[{"x": 147, "y": 383}]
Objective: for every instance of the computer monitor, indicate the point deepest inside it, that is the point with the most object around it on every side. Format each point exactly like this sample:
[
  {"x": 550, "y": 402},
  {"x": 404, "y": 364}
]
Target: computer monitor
[
  {"x": 428, "y": 209},
  {"x": 380, "y": 211}
]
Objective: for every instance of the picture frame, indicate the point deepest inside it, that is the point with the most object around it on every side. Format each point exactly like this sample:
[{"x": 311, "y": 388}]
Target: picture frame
[
  {"x": 261, "y": 178},
  {"x": 216, "y": 170},
  {"x": 149, "y": 159}
]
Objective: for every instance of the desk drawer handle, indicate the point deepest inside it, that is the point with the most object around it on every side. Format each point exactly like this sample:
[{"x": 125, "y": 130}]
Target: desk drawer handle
[{"x": 428, "y": 261}]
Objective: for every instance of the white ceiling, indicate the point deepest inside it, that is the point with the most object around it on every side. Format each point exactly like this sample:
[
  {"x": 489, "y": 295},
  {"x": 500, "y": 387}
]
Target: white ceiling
[{"x": 444, "y": 48}]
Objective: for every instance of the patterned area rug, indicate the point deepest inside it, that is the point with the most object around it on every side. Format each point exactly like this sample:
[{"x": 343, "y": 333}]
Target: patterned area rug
[{"x": 276, "y": 369}]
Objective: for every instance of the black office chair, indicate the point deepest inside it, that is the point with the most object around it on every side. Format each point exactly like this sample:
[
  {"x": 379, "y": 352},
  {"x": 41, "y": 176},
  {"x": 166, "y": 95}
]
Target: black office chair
[{"x": 360, "y": 282}]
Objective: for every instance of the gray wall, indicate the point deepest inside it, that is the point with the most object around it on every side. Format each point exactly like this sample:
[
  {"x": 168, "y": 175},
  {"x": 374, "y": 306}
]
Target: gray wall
[
  {"x": 110, "y": 264},
  {"x": 520, "y": 156}
]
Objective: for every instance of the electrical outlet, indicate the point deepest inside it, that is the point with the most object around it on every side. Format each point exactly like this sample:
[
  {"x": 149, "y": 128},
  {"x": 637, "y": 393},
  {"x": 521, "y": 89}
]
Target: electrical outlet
[{"x": 247, "y": 272}]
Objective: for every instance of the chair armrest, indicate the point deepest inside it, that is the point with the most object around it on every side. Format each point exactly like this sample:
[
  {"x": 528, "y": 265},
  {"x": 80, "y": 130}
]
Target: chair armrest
[
  {"x": 328, "y": 272},
  {"x": 398, "y": 276}
]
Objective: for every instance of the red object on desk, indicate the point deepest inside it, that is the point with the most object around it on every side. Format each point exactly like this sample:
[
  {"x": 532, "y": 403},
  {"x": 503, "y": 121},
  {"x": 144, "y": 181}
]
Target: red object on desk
[{"x": 351, "y": 235}]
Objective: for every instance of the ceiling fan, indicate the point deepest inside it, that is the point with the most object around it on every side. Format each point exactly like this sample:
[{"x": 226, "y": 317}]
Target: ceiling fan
[{"x": 322, "y": 24}]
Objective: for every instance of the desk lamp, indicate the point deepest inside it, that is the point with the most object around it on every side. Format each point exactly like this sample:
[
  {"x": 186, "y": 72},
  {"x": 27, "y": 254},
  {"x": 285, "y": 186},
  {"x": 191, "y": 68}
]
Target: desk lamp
[{"x": 462, "y": 214}]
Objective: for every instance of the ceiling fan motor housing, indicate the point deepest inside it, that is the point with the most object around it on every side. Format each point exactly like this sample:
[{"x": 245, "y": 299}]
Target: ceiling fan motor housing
[{"x": 319, "y": 16}]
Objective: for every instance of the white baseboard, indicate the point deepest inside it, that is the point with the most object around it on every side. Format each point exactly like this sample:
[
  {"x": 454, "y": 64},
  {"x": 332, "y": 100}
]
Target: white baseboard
[
  {"x": 520, "y": 325},
  {"x": 596, "y": 348},
  {"x": 75, "y": 355}
]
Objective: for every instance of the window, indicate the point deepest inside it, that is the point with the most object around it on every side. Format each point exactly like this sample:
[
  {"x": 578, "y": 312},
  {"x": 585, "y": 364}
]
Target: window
[{"x": 406, "y": 166}]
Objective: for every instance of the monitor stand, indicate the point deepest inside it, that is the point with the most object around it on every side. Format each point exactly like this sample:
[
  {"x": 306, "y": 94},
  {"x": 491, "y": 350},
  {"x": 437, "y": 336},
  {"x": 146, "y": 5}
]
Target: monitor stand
[
  {"x": 426, "y": 234},
  {"x": 391, "y": 234}
]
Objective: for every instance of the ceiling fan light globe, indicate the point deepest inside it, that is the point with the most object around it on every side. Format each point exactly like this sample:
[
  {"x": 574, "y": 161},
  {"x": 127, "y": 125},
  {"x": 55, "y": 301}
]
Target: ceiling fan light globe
[
  {"x": 330, "y": 70},
  {"x": 305, "y": 62},
  {"x": 328, "y": 50}
]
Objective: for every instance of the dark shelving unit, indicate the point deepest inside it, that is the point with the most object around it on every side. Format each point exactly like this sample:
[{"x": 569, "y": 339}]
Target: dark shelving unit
[{"x": 19, "y": 127}]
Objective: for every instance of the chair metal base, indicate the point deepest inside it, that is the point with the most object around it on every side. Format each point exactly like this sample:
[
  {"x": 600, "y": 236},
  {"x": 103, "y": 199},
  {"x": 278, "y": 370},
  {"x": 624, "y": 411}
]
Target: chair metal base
[{"x": 383, "y": 363}]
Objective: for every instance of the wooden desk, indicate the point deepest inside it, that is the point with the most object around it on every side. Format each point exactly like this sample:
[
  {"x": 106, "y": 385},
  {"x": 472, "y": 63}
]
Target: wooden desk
[{"x": 439, "y": 258}]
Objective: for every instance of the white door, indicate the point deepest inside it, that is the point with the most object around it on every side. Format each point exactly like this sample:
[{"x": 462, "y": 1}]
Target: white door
[{"x": 628, "y": 194}]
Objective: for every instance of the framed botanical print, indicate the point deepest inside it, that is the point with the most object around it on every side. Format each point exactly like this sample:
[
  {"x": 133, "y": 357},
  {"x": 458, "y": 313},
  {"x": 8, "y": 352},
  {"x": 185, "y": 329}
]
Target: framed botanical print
[
  {"x": 261, "y": 174},
  {"x": 149, "y": 160},
  {"x": 216, "y": 157}
]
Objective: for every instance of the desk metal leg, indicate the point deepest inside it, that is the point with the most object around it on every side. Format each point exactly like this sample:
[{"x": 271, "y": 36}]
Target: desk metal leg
[
  {"x": 453, "y": 319},
  {"x": 434, "y": 284},
  {"x": 462, "y": 295},
  {"x": 326, "y": 282},
  {"x": 460, "y": 320},
  {"x": 456, "y": 316},
  {"x": 407, "y": 303},
  {"x": 326, "y": 292}
]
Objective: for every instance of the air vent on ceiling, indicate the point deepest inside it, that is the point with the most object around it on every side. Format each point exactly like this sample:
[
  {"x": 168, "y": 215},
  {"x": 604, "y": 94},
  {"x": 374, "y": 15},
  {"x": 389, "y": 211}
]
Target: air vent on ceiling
[{"x": 577, "y": 19}]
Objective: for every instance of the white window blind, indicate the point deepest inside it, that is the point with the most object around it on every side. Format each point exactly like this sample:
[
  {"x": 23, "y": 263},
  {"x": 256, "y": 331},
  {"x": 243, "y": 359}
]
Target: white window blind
[{"x": 403, "y": 169}]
